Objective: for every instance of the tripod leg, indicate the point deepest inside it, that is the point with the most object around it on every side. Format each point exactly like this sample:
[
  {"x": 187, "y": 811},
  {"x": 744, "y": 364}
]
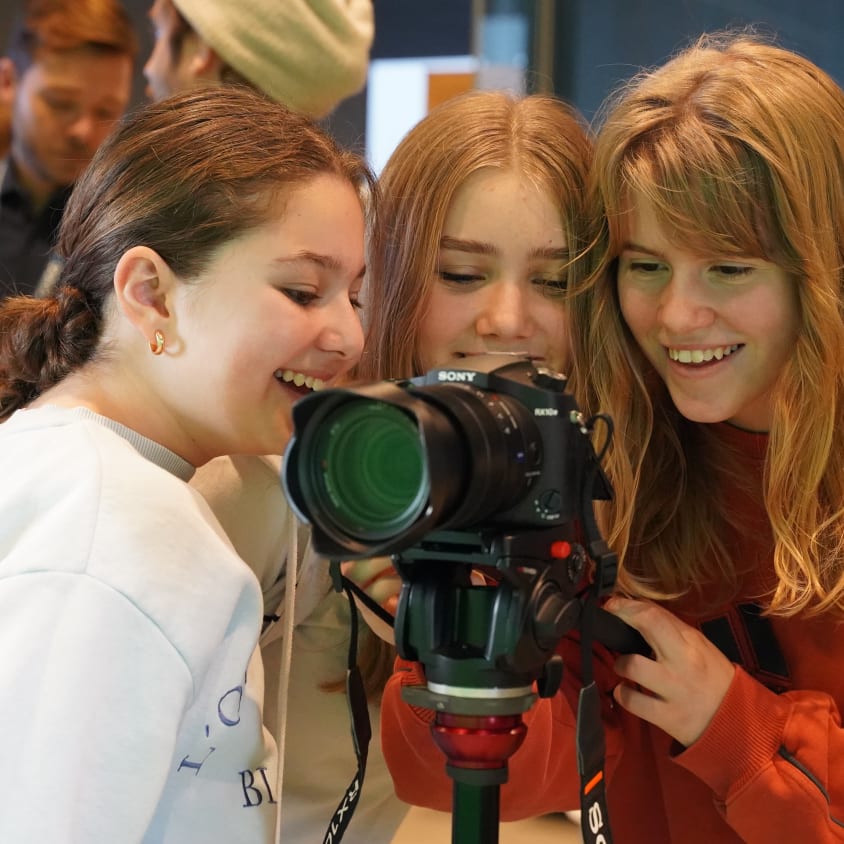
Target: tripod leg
[{"x": 474, "y": 818}]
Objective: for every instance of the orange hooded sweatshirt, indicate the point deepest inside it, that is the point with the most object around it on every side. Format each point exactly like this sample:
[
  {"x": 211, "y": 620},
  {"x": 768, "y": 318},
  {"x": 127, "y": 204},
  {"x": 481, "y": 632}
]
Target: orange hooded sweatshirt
[{"x": 769, "y": 768}]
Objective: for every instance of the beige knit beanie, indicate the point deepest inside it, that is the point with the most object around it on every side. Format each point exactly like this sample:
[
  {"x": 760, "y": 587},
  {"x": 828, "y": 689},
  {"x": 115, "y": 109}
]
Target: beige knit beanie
[{"x": 307, "y": 54}]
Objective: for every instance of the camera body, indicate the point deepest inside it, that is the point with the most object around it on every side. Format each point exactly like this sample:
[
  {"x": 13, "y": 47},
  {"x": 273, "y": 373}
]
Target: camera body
[{"x": 496, "y": 445}]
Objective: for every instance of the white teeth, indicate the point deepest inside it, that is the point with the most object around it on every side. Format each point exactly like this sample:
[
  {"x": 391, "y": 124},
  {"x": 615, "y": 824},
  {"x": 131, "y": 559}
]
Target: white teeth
[
  {"x": 299, "y": 379},
  {"x": 701, "y": 355}
]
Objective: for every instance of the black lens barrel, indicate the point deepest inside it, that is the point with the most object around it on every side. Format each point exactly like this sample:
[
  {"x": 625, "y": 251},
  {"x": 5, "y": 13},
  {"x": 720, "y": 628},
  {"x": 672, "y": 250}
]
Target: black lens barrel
[{"x": 376, "y": 468}]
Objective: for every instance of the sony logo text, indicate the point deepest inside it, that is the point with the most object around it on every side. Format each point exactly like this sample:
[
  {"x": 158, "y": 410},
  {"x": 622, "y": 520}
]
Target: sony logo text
[{"x": 451, "y": 375}]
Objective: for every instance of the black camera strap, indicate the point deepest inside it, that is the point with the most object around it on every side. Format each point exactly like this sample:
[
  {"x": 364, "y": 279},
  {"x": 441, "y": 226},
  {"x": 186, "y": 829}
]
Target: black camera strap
[
  {"x": 359, "y": 717},
  {"x": 590, "y": 743},
  {"x": 375, "y": 608},
  {"x": 590, "y": 740}
]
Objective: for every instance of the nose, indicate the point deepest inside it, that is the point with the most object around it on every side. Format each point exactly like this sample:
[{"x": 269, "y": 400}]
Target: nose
[
  {"x": 342, "y": 333},
  {"x": 84, "y": 130},
  {"x": 685, "y": 304},
  {"x": 505, "y": 312}
]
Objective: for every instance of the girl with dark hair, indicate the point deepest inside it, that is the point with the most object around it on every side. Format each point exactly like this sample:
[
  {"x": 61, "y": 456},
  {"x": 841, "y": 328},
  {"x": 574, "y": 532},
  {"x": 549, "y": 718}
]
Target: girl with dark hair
[{"x": 213, "y": 256}]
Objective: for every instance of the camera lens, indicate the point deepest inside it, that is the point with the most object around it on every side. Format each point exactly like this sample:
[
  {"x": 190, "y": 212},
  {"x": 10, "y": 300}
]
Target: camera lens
[
  {"x": 368, "y": 473},
  {"x": 379, "y": 467}
]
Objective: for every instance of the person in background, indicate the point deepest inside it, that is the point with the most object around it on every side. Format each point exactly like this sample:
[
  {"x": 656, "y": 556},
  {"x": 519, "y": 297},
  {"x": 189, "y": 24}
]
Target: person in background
[
  {"x": 129, "y": 631},
  {"x": 66, "y": 80},
  {"x": 711, "y": 330},
  {"x": 309, "y": 56}
]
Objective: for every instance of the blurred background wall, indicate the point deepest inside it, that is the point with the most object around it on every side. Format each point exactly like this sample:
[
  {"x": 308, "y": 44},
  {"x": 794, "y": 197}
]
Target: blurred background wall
[{"x": 578, "y": 49}]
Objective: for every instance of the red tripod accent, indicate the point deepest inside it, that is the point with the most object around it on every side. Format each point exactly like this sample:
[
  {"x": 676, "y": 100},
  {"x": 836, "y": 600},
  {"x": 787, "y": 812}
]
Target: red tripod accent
[{"x": 478, "y": 742}]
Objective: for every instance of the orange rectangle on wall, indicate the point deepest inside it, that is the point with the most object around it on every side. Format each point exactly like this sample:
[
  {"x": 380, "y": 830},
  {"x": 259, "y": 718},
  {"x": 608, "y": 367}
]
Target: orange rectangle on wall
[{"x": 444, "y": 86}]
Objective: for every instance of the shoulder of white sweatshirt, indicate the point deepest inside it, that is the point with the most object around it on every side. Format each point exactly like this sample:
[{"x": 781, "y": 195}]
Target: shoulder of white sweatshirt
[{"x": 129, "y": 677}]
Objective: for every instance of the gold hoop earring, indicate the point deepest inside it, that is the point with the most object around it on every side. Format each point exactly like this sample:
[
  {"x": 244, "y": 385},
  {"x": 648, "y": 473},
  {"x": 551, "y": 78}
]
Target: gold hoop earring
[{"x": 158, "y": 347}]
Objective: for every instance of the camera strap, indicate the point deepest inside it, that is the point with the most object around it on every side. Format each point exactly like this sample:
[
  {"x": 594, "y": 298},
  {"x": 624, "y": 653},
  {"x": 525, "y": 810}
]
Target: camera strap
[
  {"x": 590, "y": 740},
  {"x": 375, "y": 608},
  {"x": 591, "y": 747},
  {"x": 359, "y": 717}
]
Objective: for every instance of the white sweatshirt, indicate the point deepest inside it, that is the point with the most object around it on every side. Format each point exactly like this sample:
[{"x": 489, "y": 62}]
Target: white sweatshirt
[
  {"x": 130, "y": 686},
  {"x": 245, "y": 494}
]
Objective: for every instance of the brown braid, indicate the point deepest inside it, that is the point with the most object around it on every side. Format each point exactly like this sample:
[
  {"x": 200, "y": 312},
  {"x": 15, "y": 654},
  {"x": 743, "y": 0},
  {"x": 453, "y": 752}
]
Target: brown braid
[{"x": 41, "y": 341}]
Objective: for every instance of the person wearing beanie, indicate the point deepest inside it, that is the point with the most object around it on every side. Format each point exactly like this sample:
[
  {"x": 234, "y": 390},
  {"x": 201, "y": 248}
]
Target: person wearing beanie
[{"x": 307, "y": 54}]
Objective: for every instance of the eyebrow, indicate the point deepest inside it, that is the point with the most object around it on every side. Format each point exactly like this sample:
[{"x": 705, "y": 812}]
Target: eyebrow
[
  {"x": 645, "y": 250},
  {"x": 64, "y": 89},
  {"x": 477, "y": 247},
  {"x": 328, "y": 262}
]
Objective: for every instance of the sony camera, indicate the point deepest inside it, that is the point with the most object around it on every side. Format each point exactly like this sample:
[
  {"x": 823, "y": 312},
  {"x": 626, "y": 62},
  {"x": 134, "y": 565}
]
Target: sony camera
[{"x": 495, "y": 445}]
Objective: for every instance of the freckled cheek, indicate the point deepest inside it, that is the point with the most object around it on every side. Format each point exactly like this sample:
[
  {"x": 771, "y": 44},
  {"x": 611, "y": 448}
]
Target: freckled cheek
[
  {"x": 444, "y": 321},
  {"x": 791, "y": 321}
]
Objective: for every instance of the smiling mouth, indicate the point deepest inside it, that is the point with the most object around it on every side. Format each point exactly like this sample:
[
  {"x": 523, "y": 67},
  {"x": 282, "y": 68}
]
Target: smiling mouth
[
  {"x": 299, "y": 381},
  {"x": 701, "y": 356}
]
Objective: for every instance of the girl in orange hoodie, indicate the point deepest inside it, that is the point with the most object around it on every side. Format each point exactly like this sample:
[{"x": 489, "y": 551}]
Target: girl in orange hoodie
[{"x": 711, "y": 331}]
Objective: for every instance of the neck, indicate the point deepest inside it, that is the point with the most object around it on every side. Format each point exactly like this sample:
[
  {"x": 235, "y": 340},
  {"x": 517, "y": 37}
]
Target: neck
[{"x": 120, "y": 394}]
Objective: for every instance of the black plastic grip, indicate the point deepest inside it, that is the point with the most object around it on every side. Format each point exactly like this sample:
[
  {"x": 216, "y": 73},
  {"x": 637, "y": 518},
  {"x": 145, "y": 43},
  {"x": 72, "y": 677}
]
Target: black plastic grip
[{"x": 619, "y": 636}]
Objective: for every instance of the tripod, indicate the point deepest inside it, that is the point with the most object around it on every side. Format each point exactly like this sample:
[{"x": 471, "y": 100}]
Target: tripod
[{"x": 484, "y": 647}]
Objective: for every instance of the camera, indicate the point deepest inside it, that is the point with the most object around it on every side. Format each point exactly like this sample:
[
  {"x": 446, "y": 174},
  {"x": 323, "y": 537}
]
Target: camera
[{"x": 496, "y": 445}]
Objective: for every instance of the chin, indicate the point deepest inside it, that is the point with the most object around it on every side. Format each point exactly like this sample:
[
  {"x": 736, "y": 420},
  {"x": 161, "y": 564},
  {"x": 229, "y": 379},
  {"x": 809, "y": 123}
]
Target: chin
[
  {"x": 702, "y": 413},
  {"x": 705, "y": 416}
]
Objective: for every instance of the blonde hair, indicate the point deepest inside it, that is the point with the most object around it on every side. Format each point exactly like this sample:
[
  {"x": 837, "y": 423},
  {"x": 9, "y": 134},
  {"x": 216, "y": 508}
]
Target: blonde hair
[
  {"x": 739, "y": 146},
  {"x": 540, "y": 137}
]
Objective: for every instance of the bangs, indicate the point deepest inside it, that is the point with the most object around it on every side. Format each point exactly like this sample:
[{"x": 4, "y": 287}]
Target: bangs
[{"x": 710, "y": 190}]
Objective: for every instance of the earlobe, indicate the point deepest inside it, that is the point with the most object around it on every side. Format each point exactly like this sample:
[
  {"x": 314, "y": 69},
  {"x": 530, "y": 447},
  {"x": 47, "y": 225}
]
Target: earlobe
[{"x": 143, "y": 285}]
